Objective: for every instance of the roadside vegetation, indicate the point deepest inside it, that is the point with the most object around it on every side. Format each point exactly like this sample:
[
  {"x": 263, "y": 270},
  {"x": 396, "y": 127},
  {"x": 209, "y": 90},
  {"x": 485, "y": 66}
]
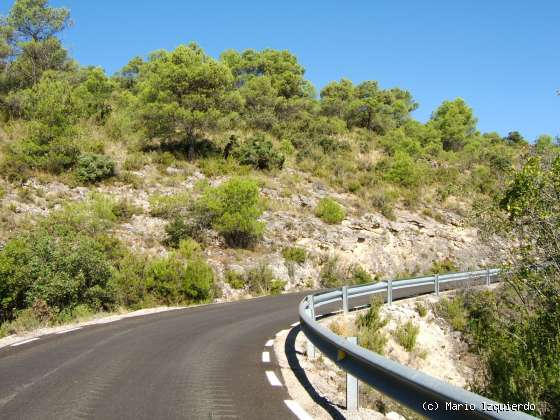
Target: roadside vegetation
[{"x": 237, "y": 119}]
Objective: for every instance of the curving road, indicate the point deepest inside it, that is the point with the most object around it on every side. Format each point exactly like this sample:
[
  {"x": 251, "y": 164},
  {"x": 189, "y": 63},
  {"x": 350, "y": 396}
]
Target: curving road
[{"x": 194, "y": 363}]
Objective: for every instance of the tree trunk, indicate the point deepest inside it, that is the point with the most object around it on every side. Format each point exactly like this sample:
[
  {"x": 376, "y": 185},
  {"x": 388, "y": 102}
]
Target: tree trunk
[{"x": 191, "y": 146}]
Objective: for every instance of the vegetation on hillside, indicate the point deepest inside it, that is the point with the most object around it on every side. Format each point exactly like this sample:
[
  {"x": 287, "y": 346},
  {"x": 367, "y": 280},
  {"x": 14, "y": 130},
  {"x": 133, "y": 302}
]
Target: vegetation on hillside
[{"x": 235, "y": 117}]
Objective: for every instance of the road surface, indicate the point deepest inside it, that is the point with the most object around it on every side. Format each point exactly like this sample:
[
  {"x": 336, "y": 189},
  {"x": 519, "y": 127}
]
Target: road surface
[{"x": 195, "y": 363}]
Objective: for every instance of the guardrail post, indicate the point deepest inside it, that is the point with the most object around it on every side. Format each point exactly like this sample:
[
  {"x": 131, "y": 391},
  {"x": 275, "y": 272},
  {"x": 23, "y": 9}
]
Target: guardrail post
[
  {"x": 345, "y": 299},
  {"x": 310, "y": 346},
  {"x": 436, "y": 283},
  {"x": 389, "y": 292},
  {"x": 352, "y": 386},
  {"x": 487, "y": 277}
]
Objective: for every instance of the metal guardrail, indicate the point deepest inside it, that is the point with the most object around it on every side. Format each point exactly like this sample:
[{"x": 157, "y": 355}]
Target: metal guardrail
[{"x": 418, "y": 391}]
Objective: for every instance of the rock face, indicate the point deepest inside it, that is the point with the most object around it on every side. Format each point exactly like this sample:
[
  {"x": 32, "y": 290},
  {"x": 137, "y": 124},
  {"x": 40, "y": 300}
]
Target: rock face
[{"x": 384, "y": 248}]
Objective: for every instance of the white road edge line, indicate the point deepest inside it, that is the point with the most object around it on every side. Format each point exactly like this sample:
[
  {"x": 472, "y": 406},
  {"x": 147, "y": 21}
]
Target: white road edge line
[
  {"x": 266, "y": 357},
  {"x": 300, "y": 413},
  {"x": 272, "y": 378},
  {"x": 71, "y": 329},
  {"x": 295, "y": 324},
  {"x": 269, "y": 343},
  {"x": 23, "y": 342}
]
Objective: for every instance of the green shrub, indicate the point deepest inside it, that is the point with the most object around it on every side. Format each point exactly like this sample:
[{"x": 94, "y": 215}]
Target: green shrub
[
  {"x": 124, "y": 209},
  {"x": 176, "y": 231},
  {"x": 180, "y": 277},
  {"x": 234, "y": 279},
  {"x": 61, "y": 270},
  {"x": 259, "y": 152},
  {"x": 360, "y": 276},
  {"x": 453, "y": 310},
  {"x": 369, "y": 327},
  {"x": 384, "y": 199},
  {"x": 335, "y": 274},
  {"x": 421, "y": 309},
  {"x": 2, "y": 192},
  {"x": 129, "y": 280},
  {"x": 260, "y": 281},
  {"x": 330, "y": 274},
  {"x": 233, "y": 209},
  {"x": 406, "y": 335},
  {"x": 294, "y": 254},
  {"x": 130, "y": 178},
  {"x": 329, "y": 211},
  {"x": 403, "y": 170},
  {"x": 446, "y": 265},
  {"x": 25, "y": 320},
  {"x": 217, "y": 166},
  {"x": 198, "y": 280},
  {"x": 93, "y": 168},
  {"x": 52, "y": 155},
  {"x": 373, "y": 340},
  {"x": 135, "y": 161},
  {"x": 372, "y": 318},
  {"x": 170, "y": 206}
]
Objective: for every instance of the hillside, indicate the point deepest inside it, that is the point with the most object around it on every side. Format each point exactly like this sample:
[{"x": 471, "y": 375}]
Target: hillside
[{"x": 185, "y": 178}]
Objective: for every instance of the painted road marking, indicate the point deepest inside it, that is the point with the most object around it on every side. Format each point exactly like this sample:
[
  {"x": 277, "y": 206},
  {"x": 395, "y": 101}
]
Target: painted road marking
[
  {"x": 23, "y": 342},
  {"x": 71, "y": 329},
  {"x": 272, "y": 378},
  {"x": 269, "y": 343},
  {"x": 266, "y": 357},
  {"x": 300, "y": 413},
  {"x": 295, "y": 324}
]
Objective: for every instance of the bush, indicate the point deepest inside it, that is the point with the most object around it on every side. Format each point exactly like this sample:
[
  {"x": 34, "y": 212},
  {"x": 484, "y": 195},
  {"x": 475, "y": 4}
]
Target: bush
[
  {"x": 176, "y": 231},
  {"x": 259, "y": 152},
  {"x": 360, "y": 276},
  {"x": 170, "y": 206},
  {"x": 233, "y": 209},
  {"x": 180, "y": 277},
  {"x": 335, "y": 274},
  {"x": 60, "y": 270},
  {"x": 234, "y": 279},
  {"x": 421, "y": 309},
  {"x": 260, "y": 281},
  {"x": 294, "y": 254},
  {"x": 129, "y": 280},
  {"x": 453, "y": 310},
  {"x": 370, "y": 325},
  {"x": 384, "y": 199},
  {"x": 53, "y": 155},
  {"x": 93, "y": 168},
  {"x": 447, "y": 265},
  {"x": 329, "y": 211},
  {"x": 331, "y": 275},
  {"x": 403, "y": 170},
  {"x": 124, "y": 210},
  {"x": 406, "y": 335},
  {"x": 135, "y": 161}
]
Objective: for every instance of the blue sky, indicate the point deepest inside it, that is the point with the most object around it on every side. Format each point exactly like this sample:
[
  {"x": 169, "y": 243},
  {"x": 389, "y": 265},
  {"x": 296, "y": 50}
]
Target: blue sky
[{"x": 502, "y": 57}]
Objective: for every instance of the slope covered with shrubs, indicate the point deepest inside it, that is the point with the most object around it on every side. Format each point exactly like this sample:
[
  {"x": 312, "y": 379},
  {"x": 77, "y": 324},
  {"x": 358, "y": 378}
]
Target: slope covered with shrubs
[{"x": 241, "y": 119}]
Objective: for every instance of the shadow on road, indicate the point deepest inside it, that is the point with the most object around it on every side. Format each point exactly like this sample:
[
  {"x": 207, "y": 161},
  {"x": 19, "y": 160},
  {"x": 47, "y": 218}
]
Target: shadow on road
[{"x": 299, "y": 372}]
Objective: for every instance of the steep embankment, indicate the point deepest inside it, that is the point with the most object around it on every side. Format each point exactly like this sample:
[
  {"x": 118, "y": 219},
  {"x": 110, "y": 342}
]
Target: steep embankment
[{"x": 410, "y": 244}]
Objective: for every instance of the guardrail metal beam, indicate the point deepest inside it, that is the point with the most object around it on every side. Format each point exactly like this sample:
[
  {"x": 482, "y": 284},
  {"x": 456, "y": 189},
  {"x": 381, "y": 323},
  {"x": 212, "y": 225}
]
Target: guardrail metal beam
[{"x": 418, "y": 391}]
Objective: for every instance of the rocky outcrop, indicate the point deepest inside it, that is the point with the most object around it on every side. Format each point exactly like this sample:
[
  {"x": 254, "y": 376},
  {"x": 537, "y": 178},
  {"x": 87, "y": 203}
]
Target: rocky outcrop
[{"x": 383, "y": 247}]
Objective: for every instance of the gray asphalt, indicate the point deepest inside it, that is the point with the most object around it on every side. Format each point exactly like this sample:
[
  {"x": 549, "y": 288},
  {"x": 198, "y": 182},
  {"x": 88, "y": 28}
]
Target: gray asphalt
[{"x": 194, "y": 363}]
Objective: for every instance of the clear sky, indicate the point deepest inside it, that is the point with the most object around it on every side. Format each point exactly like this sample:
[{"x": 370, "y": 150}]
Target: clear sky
[{"x": 501, "y": 56}]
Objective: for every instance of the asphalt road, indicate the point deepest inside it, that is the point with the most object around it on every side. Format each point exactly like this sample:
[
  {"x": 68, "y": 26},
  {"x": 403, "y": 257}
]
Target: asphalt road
[{"x": 195, "y": 363}]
